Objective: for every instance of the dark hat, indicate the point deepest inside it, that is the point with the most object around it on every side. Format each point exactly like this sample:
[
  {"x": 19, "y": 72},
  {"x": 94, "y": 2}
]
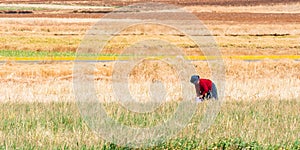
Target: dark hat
[{"x": 194, "y": 79}]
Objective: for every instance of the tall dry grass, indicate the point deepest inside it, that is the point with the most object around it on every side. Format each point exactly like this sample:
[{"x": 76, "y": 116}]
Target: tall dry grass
[{"x": 266, "y": 79}]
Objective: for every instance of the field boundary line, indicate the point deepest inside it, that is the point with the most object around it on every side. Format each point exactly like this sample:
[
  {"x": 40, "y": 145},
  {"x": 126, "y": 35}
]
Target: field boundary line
[{"x": 113, "y": 58}]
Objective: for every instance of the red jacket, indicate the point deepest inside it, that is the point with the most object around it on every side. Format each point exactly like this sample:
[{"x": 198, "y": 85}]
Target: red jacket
[{"x": 204, "y": 86}]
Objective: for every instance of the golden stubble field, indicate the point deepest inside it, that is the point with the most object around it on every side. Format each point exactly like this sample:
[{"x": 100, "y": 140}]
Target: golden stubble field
[
  {"x": 233, "y": 38},
  {"x": 267, "y": 79},
  {"x": 245, "y": 80}
]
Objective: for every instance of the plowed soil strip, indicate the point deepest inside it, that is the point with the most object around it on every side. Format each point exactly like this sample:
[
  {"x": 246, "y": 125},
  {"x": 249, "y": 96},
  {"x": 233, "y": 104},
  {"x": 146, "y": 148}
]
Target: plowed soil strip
[{"x": 228, "y": 16}]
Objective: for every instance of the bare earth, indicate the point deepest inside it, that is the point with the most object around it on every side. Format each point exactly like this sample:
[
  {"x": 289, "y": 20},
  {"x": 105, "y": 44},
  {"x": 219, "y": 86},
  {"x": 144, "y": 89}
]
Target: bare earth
[{"x": 177, "y": 2}]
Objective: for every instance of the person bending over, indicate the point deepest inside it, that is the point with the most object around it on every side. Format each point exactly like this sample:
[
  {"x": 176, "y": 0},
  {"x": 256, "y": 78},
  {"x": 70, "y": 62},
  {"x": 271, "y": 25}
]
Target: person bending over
[{"x": 205, "y": 88}]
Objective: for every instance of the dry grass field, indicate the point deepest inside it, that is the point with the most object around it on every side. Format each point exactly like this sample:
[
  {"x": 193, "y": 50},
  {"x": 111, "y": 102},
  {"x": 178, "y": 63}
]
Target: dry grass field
[
  {"x": 262, "y": 80},
  {"x": 261, "y": 98},
  {"x": 233, "y": 39}
]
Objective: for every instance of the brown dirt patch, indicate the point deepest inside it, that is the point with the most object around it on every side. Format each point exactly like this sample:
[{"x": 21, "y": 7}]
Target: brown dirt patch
[
  {"x": 266, "y": 18},
  {"x": 176, "y": 2}
]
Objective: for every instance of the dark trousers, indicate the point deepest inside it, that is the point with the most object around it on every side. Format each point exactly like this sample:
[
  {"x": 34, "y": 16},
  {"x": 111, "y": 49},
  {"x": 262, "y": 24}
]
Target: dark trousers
[{"x": 213, "y": 93}]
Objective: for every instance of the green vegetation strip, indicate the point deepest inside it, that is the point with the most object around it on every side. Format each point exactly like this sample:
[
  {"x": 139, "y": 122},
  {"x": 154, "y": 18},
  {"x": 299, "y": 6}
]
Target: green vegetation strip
[
  {"x": 15, "y": 8},
  {"x": 32, "y": 54},
  {"x": 18, "y": 55},
  {"x": 263, "y": 124}
]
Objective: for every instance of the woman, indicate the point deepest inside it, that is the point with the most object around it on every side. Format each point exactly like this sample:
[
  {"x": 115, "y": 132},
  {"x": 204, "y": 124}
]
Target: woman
[{"x": 205, "y": 88}]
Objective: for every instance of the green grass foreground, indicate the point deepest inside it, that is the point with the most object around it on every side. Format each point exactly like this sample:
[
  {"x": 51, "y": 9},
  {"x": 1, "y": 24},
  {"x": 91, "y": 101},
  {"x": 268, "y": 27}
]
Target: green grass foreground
[{"x": 261, "y": 124}]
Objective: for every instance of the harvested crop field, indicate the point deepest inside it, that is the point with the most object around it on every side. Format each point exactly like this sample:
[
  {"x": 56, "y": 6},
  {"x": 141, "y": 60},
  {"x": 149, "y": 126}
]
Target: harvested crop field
[
  {"x": 40, "y": 110},
  {"x": 242, "y": 78}
]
